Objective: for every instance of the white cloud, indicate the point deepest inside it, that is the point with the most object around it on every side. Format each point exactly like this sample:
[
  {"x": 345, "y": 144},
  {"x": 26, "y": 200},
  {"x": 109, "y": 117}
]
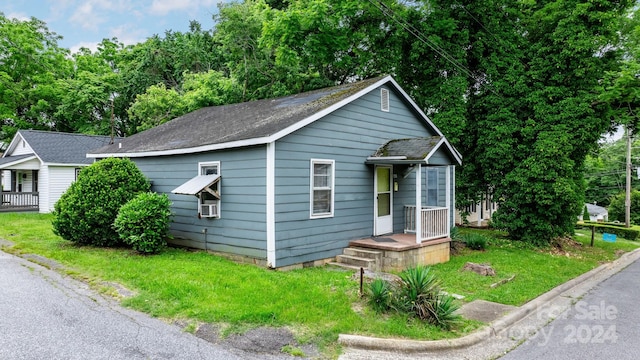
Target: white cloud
[
  {"x": 93, "y": 46},
  {"x": 92, "y": 13},
  {"x": 163, "y": 7},
  {"x": 18, "y": 16},
  {"x": 128, "y": 34},
  {"x": 87, "y": 17}
]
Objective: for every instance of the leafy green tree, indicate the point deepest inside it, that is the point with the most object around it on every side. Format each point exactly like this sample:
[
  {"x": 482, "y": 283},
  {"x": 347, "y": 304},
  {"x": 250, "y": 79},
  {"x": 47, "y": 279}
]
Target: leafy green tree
[
  {"x": 605, "y": 171},
  {"x": 617, "y": 209},
  {"x": 533, "y": 109},
  {"x": 31, "y": 63}
]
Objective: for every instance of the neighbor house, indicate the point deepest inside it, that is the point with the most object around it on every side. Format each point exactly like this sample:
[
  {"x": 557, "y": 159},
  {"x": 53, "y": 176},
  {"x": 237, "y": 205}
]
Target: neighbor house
[
  {"x": 596, "y": 213},
  {"x": 293, "y": 181},
  {"x": 477, "y": 214},
  {"x": 38, "y": 166}
]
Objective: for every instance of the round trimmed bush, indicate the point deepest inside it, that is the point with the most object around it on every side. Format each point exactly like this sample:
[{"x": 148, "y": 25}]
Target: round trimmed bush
[
  {"x": 86, "y": 211},
  {"x": 143, "y": 222}
]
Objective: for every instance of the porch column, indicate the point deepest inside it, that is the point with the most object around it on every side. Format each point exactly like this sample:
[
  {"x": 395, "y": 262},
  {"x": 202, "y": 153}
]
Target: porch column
[
  {"x": 419, "y": 204},
  {"x": 448, "y": 197}
]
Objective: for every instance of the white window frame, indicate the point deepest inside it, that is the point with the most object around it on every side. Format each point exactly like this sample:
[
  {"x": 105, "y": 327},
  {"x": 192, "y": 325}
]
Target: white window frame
[
  {"x": 433, "y": 187},
  {"x": 312, "y": 189},
  {"x": 217, "y": 202}
]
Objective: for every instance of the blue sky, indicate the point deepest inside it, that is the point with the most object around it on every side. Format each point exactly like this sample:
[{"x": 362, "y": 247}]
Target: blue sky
[{"x": 86, "y": 22}]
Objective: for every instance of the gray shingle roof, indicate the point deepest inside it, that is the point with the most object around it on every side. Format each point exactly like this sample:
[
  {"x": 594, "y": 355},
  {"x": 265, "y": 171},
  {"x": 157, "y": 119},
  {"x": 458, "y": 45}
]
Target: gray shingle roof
[
  {"x": 413, "y": 149},
  {"x": 63, "y": 148},
  {"x": 236, "y": 122},
  {"x": 10, "y": 159}
]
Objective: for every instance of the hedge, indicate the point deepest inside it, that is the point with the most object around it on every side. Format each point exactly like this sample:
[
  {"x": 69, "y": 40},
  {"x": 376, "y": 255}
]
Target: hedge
[{"x": 629, "y": 234}]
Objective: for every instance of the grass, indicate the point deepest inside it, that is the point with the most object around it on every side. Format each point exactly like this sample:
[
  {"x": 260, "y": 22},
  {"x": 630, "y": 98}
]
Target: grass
[
  {"x": 316, "y": 303},
  {"x": 536, "y": 270}
]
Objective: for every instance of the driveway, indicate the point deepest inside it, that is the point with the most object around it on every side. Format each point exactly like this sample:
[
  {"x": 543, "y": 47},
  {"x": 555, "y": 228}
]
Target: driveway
[{"x": 44, "y": 315}]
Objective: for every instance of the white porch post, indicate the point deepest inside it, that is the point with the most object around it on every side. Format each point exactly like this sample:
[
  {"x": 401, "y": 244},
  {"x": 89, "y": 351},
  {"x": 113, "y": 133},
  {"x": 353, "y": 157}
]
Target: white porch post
[
  {"x": 448, "y": 198},
  {"x": 419, "y": 204}
]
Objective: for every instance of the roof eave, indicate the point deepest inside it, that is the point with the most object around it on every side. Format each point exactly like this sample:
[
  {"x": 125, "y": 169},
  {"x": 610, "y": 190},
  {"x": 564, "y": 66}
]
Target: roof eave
[{"x": 18, "y": 162}]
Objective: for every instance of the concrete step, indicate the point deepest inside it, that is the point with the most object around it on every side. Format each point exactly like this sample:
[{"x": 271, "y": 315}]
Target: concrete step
[
  {"x": 345, "y": 266},
  {"x": 363, "y": 253},
  {"x": 357, "y": 261}
]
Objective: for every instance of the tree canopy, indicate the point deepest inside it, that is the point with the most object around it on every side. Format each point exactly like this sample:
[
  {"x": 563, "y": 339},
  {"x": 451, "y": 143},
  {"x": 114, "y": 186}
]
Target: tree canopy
[{"x": 523, "y": 89}]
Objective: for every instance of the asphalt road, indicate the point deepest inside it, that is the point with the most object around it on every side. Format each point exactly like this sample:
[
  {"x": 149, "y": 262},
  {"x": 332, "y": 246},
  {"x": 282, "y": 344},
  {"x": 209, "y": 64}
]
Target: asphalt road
[
  {"x": 604, "y": 324},
  {"x": 44, "y": 315}
]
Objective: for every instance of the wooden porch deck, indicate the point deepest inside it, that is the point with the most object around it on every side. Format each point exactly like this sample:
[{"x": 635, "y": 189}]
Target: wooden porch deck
[{"x": 395, "y": 242}]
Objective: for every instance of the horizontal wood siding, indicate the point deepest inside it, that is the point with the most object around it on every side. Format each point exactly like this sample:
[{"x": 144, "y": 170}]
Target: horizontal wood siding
[
  {"x": 348, "y": 136},
  {"x": 441, "y": 157},
  {"x": 406, "y": 195},
  {"x": 241, "y": 229},
  {"x": 56, "y": 182},
  {"x": 21, "y": 148}
]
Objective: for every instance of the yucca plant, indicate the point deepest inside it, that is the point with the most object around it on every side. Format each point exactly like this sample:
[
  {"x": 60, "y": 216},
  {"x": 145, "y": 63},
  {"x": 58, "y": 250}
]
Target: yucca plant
[
  {"x": 417, "y": 288},
  {"x": 442, "y": 311},
  {"x": 380, "y": 295}
]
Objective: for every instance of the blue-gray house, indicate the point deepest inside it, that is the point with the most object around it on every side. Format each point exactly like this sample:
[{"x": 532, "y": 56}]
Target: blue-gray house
[{"x": 294, "y": 180}]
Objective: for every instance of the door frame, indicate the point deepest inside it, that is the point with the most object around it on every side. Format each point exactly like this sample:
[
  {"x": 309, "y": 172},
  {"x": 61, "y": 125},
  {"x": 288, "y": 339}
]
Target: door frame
[{"x": 382, "y": 225}]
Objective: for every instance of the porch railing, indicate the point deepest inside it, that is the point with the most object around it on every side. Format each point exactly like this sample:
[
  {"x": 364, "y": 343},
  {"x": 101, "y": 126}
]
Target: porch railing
[
  {"x": 434, "y": 221},
  {"x": 16, "y": 201}
]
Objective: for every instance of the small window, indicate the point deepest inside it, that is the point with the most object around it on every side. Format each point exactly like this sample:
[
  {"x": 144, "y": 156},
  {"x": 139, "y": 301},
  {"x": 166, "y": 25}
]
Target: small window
[
  {"x": 78, "y": 173},
  {"x": 209, "y": 197},
  {"x": 322, "y": 188},
  {"x": 384, "y": 99},
  {"x": 432, "y": 187}
]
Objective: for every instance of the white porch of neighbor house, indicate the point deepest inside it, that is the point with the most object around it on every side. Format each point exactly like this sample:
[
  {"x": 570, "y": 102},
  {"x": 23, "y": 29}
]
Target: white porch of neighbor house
[{"x": 22, "y": 194}]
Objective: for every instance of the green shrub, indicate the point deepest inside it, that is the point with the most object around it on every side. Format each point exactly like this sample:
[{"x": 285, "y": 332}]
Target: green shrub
[
  {"x": 418, "y": 289},
  {"x": 475, "y": 241},
  {"x": 443, "y": 311},
  {"x": 143, "y": 222},
  {"x": 585, "y": 214},
  {"x": 86, "y": 211},
  {"x": 380, "y": 295}
]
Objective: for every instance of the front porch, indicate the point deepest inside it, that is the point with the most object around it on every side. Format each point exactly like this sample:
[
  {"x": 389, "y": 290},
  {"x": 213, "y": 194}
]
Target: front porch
[
  {"x": 19, "y": 201},
  {"x": 394, "y": 252}
]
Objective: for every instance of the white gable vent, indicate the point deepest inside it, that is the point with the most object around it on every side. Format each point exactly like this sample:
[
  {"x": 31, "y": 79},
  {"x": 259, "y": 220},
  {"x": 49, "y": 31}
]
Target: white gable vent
[{"x": 384, "y": 99}]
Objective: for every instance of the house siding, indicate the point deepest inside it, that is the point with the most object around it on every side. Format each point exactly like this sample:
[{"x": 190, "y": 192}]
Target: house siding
[
  {"x": 241, "y": 228},
  {"x": 59, "y": 180},
  {"x": 22, "y": 148},
  {"x": 44, "y": 190},
  {"x": 349, "y": 135}
]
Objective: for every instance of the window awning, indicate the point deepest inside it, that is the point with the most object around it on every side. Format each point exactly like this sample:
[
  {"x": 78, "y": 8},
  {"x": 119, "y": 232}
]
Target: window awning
[{"x": 197, "y": 185}]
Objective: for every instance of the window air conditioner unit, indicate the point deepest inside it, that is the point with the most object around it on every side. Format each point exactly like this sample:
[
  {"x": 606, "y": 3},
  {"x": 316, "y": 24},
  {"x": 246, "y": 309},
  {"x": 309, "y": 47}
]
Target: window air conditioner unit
[{"x": 209, "y": 210}]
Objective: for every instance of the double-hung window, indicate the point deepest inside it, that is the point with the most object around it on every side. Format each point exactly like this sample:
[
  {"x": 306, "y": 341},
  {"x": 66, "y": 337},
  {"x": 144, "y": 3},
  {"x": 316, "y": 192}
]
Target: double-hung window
[
  {"x": 322, "y": 188},
  {"x": 432, "y": 187}
]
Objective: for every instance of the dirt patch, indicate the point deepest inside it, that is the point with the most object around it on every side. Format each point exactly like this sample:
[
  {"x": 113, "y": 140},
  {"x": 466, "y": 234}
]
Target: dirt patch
[
  {"x": 564, "y": 246},
  {"x": 262, "y": 340}
]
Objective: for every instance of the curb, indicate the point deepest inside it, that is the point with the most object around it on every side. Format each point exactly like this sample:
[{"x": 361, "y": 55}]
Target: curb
[{"x": 493, "y": 328}]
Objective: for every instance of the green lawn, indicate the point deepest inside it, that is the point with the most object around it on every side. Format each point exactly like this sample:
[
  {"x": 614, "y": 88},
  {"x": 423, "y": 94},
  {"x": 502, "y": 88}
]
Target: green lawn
[{"x": 316, "y": 303}]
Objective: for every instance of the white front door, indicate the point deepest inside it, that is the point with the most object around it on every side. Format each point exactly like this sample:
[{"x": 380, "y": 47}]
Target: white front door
[{"x": 383, "y": 184}]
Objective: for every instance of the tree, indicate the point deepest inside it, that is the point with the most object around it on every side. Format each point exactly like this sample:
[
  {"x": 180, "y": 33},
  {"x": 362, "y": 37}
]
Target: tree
[
  {"x": 605, "y": 172},
  {"x": 31, "y": 63},
  {"x": 533, "y": 109},
  {"x": 617, "y": 209}
]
